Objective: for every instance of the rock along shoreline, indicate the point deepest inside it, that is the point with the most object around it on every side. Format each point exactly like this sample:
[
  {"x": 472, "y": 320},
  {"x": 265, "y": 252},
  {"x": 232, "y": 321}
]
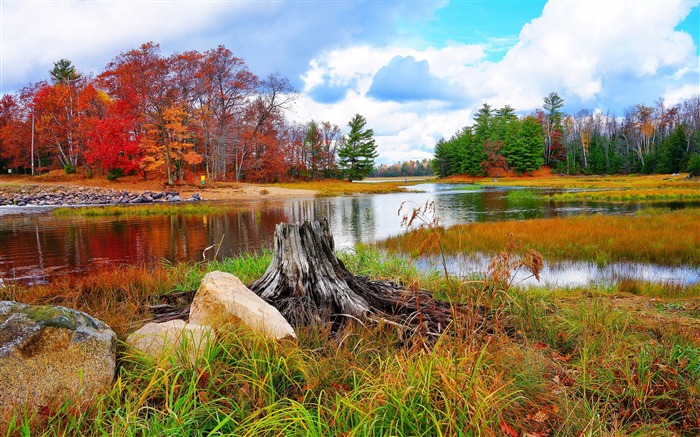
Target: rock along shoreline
[{"x": 62, "y": 195}]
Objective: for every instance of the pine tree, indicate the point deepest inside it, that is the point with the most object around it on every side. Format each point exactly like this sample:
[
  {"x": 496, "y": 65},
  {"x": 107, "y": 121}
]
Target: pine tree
[{"x": 358, "y": 150}]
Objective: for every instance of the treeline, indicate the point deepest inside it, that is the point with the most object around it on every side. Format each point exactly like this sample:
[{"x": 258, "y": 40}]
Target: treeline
[
  {"x": 647, "y": 139},
  {"x": 401, "y": 169},
  {"x": 166, "y": 116}
]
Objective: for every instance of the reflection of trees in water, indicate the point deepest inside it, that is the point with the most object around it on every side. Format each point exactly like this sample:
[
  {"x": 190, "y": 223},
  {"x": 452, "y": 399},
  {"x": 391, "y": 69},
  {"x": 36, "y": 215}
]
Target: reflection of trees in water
[{"x": 357, "y": 216}]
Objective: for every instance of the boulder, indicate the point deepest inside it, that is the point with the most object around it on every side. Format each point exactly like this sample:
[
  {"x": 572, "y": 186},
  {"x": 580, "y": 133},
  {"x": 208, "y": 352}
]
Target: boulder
[
  {"x": 175, "y": 338},
  {"x": 222, "y": 298},
  {"x": 49, "y": 354}
]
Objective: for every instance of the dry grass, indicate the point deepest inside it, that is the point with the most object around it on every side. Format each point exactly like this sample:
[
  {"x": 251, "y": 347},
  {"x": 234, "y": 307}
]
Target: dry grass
[
  {"x": 574, "y": 362},
  {"x": 593, "y": 182},
  {"x": 632, "y": 195},
  {"x": 669, "y": 238},
  {"x": 335, "y": 187}
]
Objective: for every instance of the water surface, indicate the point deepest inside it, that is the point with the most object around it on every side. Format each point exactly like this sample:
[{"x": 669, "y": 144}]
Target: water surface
[{"x": 37, "y": 246}]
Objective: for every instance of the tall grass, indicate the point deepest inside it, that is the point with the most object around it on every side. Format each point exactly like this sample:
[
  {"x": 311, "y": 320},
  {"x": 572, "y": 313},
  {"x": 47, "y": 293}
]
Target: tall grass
[
  {"x": 663, "y": 237},
  {"x": 574, "y": 362}
]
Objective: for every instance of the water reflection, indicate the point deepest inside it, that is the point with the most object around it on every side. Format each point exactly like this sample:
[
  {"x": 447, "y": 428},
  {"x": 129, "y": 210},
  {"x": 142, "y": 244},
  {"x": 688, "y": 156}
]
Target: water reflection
[
  {"x": 35, "y": 247},
  {"x": 570, "y": 273}
]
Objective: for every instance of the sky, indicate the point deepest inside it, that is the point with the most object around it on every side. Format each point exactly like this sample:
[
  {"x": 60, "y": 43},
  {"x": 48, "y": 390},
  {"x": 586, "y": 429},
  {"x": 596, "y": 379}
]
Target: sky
[{"x": 416, "y": 70}]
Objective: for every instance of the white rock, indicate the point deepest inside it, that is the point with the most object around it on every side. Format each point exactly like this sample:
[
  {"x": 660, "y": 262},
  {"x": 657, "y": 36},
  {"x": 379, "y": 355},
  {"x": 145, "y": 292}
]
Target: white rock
[
  {"x": 186, "y": 342},
  {"x": 222, "y": 298}
]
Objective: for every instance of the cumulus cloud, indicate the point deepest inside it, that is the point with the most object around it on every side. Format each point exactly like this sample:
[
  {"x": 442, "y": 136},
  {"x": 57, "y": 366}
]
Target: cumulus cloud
[
  {"x": 404, "y": 79},
  {"x": 597, "y": 55},
  {"x": 279, "y": 36}
]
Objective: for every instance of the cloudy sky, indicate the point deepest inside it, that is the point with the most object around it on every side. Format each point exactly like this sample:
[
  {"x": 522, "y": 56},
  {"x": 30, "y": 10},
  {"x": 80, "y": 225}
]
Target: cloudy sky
[{"x": 417, "y": 70}]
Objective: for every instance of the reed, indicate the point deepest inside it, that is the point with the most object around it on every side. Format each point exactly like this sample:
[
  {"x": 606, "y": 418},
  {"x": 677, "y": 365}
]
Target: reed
[{"x": 662, "y": 237}]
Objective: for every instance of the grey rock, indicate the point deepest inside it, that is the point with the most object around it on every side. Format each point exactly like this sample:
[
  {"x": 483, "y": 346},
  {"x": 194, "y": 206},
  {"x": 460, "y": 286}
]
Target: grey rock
[{"x": 50, "y": 354}]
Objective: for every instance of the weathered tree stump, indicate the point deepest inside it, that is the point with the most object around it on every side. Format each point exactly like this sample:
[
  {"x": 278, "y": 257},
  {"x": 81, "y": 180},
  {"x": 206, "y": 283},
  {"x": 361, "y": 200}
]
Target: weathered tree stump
[{"x": 307, "y": 283}]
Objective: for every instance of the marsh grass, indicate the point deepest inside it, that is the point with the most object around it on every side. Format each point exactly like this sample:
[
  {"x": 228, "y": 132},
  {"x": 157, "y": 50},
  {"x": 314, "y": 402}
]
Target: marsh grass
[
  {"x": 524, "y": 195},
  {"x": 143, "y": 210},
  {"x": 631, "y": 195},
  {"x": 577, "y": 362},
  {"x": 656, "y": 236},
  {"x": 594, "y": 182},
  {"x": 336, "y": 187}
]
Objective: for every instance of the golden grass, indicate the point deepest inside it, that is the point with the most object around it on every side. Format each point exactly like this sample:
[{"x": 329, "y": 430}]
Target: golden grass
[
  {"x": 596, "y": 182},
  {"x": 335, "y": 187},
  {"x": 669, "y": 238},
  {"x": 632, "y": 195}
]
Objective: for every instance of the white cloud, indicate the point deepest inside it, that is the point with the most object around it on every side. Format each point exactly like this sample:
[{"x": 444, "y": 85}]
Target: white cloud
[
  {"x": 596, "y": 54},
  {"x": 36, "y": 34}
]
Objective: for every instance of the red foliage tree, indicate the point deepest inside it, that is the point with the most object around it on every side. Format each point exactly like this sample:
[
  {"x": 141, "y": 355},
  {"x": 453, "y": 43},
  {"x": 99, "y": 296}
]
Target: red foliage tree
[{"x": 113, "y": 143}]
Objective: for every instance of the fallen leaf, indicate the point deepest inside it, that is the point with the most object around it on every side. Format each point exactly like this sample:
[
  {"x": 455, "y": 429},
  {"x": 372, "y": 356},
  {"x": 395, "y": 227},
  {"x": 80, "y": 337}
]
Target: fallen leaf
[{"x": 509, "y": 430}]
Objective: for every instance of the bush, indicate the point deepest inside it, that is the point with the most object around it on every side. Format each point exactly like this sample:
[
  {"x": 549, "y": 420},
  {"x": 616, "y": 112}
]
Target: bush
[
  {"x": 694, "y": 165},
  {"x": 114, "y": 174},
  {"x": 69, "y": 169}
]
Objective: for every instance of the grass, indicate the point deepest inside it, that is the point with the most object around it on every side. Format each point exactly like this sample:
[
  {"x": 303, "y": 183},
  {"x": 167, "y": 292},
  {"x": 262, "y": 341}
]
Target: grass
[
  {"x": 656, "y": 236},
  {"x": 144, "y": 210},
  {"x": 631, "y": 195},
  {"x": 617, "y": 182},
  {"x": 576, "y": 362},
  {"x": 335, "y": 187},
  {"x": 526, "y": 195}
]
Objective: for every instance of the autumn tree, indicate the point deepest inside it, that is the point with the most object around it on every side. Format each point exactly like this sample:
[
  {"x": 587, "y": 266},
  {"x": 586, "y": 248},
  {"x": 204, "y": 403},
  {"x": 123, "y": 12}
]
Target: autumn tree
[
  {"x": 227, "y": 86},
  {"x": 358, "y": 150},
  {"x": 113, "y": 145},
  {"x": 65, "y": 113}
]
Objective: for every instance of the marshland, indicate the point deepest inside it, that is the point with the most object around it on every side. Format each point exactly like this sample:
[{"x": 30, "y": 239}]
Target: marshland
[{"x": 614, "y": 357}]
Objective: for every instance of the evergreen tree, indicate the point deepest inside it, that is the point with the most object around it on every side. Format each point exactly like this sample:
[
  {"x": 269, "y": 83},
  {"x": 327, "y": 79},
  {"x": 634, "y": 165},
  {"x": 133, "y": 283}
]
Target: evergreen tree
[
  {"x": 529, "y": 149},
  {"x": 358, "y": 150},
  {"x": 64, "y": 72}
]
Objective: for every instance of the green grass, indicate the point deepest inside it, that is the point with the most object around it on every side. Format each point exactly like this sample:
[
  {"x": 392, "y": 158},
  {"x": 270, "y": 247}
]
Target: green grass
[
  {"x": 144, "y": 210},
  {"x": 524, "y": 195},
  {"x": 572, "y": 362}
]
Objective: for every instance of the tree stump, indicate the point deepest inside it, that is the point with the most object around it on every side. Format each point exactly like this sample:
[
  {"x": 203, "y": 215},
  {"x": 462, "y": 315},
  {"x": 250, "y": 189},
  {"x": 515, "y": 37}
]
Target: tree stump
[{"x": 307, "y": 283}]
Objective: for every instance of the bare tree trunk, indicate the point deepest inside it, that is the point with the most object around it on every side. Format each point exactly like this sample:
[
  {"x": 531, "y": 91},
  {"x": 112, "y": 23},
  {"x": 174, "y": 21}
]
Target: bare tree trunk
[{"x": 307, "y": 283}]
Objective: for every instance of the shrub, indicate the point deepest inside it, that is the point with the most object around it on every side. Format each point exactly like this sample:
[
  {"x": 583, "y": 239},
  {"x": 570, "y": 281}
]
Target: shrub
[
  {"x": 69, "y": 169},
  {"x": 694, "y": 165},
  {"x": 114, "y": 174}
]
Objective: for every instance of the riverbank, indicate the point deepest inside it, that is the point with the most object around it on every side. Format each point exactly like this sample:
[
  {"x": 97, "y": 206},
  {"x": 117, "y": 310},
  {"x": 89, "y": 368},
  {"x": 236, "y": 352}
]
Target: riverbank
[
  {"x": 589, "y": 361},
  {"x": 131, "y": 186}
]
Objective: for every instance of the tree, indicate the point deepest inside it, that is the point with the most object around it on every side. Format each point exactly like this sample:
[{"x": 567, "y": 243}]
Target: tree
[
  {"x": 64, "y": 72},
  {"x": 529, "y": 147},
  {"x": 552, "y": 128},
  {"x": 358, "y": 150},
  {"x": 112, "y": 145}
]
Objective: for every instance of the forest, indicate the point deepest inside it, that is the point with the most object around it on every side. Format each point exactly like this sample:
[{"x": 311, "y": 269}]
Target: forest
[
  {"x": 170, "y": 117},
  {"x": 646, "y": 139}
]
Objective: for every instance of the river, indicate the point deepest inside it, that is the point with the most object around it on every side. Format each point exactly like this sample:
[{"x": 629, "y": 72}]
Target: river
[{"x": 36, "y": 246}]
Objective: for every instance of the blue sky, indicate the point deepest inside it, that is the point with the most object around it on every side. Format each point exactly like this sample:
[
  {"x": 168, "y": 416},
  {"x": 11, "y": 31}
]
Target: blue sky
[{"x": 416, "y": 69}]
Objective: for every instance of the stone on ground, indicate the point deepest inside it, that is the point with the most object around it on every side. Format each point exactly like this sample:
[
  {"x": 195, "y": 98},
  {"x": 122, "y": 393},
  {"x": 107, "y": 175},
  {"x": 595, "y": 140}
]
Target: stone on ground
[
  {"x": 222, "y": 299},
  {"x": 50, "y": 354},
  {"x": 174, "y": 338}
]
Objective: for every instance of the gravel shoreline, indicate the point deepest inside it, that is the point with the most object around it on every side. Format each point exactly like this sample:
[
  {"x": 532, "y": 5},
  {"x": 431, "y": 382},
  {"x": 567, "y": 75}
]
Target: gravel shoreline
[{"x": 65, "y": 195}]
